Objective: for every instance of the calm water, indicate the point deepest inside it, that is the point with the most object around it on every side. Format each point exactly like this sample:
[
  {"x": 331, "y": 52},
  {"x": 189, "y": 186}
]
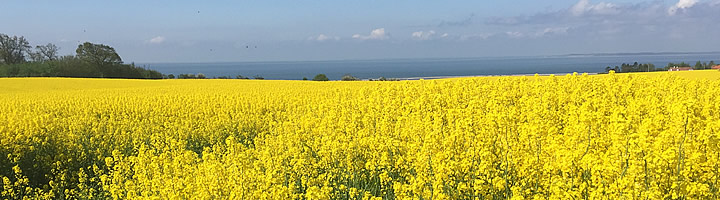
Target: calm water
[{"x": 406, "y": 68}]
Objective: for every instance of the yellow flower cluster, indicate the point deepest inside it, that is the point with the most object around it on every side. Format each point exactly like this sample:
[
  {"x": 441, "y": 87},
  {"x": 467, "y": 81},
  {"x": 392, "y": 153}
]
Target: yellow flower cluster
[{"x": 613, "y": 136}]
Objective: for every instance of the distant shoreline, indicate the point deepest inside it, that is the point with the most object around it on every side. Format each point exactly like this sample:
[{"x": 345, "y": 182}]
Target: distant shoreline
[
  {"x": 470, "y": 76},
  {"x": 642, "y": 54}
]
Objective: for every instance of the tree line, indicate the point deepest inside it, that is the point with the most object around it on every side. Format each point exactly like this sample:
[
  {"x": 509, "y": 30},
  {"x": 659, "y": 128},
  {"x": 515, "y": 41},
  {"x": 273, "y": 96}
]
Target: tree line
[
  {"x": 19, "y": 59},
  {"x": 202, "y": 76},
  {"x": 649, "y": 67},
  {"x": 318, "y": 77},
  {"x": 635, "y": 67}
]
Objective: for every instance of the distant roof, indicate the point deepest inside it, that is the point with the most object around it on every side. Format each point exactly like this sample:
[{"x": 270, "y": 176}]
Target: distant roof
[
  {"x": 716, "y": 67},
  {"x": 680, "y": 69}
]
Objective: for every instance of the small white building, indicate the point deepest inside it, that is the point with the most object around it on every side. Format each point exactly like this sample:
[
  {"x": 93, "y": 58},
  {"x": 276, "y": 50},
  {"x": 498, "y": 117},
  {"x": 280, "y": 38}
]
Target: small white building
[{"x": 674, "y": 69}]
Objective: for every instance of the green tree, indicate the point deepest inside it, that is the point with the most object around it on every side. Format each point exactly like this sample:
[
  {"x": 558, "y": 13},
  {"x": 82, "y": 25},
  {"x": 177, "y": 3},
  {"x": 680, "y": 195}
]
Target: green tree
[
  {"x": 698, "y": 66},
  {"x": 171, "y": 76},
  {"x": 626, "y": 67},
  {"x": 98, "y": 54},
  {"x": 321, "y": 77},
  {"x": 635, "y": 67},
  {"x": 201, "y": 76},
  {"x": 13, "y": 49}
]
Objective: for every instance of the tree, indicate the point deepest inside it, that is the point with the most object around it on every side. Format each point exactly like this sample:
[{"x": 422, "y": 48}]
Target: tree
[
  {"x": 171, "y": 76},
  {"x": 241, "y": 77},
  {"x": 186, "y": 76},
  {"x": 13, "y": 49},
  {"x": 45, "y": 52},
  {"x": 258, "y": 77},
  {"x": 698, "y": 66},
  {"x": 98, "y": 54},
  {"x": 321, "y": 77},
  {"x": 635, "y": 67},
  {"x": 711, "y": 64},
  {"x": 626, "y": 67},
  {"x": 305, "y": 79},
  {"x": 348, "y": 77},
  {"x": 201, "y": 76}
]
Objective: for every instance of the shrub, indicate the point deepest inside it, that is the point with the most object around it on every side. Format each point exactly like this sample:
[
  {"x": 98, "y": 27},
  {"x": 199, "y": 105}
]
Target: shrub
[
  {"x": 321, "y": 77},
  {"x": 348, "y": 77}
]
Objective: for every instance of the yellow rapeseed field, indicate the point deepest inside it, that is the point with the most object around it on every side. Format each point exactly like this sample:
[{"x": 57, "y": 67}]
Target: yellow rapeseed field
[{"x": 615, "y": 136}]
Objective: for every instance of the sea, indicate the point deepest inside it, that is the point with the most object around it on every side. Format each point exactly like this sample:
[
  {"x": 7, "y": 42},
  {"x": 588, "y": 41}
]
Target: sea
[{"x": 430, "y": 67}]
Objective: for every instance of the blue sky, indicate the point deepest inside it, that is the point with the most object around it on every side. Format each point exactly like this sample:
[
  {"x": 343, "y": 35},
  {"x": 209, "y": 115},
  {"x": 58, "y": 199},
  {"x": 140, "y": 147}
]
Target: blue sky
[{"x": 282, "y": 30}]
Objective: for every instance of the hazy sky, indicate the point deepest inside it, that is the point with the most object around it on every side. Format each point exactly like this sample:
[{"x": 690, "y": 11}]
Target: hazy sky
[{"x": 280, "y": 30}]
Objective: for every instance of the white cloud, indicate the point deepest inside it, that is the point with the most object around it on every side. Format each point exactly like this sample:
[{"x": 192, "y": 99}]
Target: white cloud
[
  {"x": 422, "y": 35},
  {"x": 553, "y": 31},
  {"x": 584, "y": 6},
  {"x": 539, "y": 33},
  {"x": 157, "y": 40},
  {"x": 377, "y": 34},
  {"x": 637, "y": 24},
  {"x": 686, "y": 3},
  {"x": 514, "y": 34},
  {"x": 444, "y": 35},
  {"x": 481, "y": 36},
  {"x": 580, "y": 7},
  {"x": 323, "y": 37},
  {"x": 681, "y": 5},
  {"x": 586, "y": 12}
]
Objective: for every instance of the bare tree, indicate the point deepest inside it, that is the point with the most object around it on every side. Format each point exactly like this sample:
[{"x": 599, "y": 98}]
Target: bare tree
[
  {"x": 13, "y": 49},
  {"x": 45, "y": 52}
]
